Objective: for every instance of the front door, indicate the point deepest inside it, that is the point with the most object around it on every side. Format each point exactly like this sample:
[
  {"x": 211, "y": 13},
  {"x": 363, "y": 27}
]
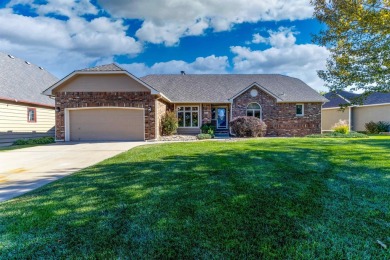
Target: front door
[{"x": 221, "y": 118}]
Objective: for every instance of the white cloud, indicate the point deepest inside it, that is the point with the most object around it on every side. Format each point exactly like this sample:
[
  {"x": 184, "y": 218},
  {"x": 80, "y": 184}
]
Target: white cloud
[
  {"x": 76, "y": 38},
  {"x": 283, "y": 37},
  {"x": 283, "y": 57},
  {"x": 62, "y": 7},
  {"x": 201, "y": 65},
  {"x": 257, "y": 38},
  {"x": 33, "y": 31},
  {"x": 166, "y": 21},
  {"x": 169, "y": 33}
]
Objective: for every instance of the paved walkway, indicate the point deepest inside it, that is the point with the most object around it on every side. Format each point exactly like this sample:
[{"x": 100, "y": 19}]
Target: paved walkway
[{"x": 26, "y": 169}]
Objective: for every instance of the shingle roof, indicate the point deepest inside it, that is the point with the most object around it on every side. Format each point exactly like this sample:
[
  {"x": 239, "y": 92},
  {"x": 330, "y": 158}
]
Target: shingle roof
[
  {"x": 24, "y": 81},
  {"x": 338, "y": 98},
  {"x": 377, "y": 98},
  {"x": 342, "y": 98},
  {"x": 106, "y": 67},
  {"x": 222, "y": 87}
]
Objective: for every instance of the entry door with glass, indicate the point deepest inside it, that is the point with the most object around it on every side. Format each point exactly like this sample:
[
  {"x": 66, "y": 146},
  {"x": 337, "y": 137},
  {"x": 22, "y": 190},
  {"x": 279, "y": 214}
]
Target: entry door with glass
[{"x": 221, "y": 118}]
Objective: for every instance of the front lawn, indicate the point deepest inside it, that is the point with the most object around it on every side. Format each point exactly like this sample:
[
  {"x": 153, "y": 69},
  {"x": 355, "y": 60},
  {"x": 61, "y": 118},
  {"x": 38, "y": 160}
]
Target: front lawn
[{"x": 296, "y": 198}]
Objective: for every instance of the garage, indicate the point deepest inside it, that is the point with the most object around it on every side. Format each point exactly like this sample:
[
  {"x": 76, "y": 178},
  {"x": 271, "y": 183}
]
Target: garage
[{"x": 105, "y": 124}]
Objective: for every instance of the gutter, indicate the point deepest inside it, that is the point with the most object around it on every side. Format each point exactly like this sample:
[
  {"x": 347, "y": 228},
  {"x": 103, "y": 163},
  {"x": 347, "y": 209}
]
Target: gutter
[{"x": 27, "y": 102}]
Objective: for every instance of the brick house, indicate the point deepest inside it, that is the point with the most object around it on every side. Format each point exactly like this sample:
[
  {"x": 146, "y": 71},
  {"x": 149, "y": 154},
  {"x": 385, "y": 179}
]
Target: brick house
[{"x": 109, "y": 103}]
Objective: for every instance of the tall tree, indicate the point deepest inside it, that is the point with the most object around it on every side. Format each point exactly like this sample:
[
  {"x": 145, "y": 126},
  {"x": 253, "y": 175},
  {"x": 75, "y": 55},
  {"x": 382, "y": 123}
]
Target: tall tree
[{"x": 358, "y": 36}]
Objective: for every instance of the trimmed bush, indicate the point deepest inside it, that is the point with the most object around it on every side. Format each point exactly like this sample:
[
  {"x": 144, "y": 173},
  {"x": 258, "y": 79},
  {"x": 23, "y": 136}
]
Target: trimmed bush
[
  {"x": 204, "y": 136},
  {"x": 208, "y": 129},
  {"x": 339, "y": 135},
  {"x": 341, "y": 127},
  {"x": 248, "y": 126},
  {"x": 376, "y": 128},
  {"x": 169, "y": 123},
  {"x": 41, "y": 140}
]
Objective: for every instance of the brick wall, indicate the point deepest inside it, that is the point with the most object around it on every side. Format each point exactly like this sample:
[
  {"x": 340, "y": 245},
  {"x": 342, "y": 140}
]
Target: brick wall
[
  {"x": 280, "y": 118},
  {"x": 106, "y": 99}
]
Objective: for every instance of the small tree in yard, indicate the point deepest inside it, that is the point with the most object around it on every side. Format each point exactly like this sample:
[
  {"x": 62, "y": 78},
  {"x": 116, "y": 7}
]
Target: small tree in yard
[
  {"x": 169, "y": 123},
  {"x": 243, "y": 126}
]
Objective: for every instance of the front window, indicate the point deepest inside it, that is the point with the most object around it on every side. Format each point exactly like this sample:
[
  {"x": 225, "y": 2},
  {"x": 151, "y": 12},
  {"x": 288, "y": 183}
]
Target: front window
[
  {"x": 31, "y": 115},
  {"x": 299, "y": 109},
  {"x": 253, "y": 109},
  {"x": 188, "y": 116}
]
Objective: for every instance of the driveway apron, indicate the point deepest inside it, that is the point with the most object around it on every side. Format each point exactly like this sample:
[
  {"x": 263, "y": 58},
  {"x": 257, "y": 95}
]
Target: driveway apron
[{"x": 26, "y": 169}]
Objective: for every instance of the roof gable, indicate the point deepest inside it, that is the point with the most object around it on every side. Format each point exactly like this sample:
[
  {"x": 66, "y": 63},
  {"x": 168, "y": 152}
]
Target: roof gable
[
  {"x": 109, "y": 69},
  {"x": 106, "y": 67},
  {"x": 255, "y": 84}
]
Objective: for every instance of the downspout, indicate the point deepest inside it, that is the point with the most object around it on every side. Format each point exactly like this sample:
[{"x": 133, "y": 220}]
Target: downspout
[{"x": 350, "y": 118}]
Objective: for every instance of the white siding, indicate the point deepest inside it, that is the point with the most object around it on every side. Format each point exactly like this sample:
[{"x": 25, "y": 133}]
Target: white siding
[
  {"x": 13, "y": 117},
  {"x": 364, "y": 114},
  {"x": 331, "y": 116}
]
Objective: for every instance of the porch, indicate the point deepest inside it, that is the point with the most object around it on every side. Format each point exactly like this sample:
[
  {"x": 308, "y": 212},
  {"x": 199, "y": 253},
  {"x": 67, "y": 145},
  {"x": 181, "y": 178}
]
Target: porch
[{"x": 192, "y": 116}]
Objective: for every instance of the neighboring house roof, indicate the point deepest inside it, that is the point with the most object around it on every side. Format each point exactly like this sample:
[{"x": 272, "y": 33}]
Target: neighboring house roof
[
  {"x": 377, "y": 98},
  {"x": 344, "y": 97},
  {"x": 23, "y": 81},
  {"x": 221, "y": 88}
]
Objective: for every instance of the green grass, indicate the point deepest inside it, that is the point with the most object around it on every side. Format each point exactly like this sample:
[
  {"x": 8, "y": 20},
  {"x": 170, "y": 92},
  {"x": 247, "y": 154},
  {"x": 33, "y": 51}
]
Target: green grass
[{"x": 296, "y": 198}]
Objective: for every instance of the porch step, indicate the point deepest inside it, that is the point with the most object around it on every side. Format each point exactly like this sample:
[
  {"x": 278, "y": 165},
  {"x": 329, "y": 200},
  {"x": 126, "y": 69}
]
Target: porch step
[
  {"x": 221, "y": 132},
  {"x": 222, "y": 136}
]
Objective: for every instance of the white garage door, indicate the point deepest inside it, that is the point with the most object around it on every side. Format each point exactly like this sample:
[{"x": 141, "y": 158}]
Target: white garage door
[{"x": 106, "y": 124}]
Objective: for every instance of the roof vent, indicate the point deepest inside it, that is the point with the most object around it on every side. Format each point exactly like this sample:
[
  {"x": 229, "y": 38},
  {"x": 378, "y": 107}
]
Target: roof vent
[
  {"x": 183, "y": 72},
  {"x": 12, "y": 57},
  {"x": 28, "y": 63}
]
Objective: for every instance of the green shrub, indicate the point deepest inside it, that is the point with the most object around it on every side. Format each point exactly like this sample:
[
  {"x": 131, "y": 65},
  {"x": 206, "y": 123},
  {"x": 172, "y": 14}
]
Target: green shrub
[
  {"x": 41, "y": 140},
  {"x": 341, "y": 127},
  {"x": 339, "y": 135},
  {"x": 376, "y": 128},
  {"x": 371, "y": 127},
  {"x": 169, "y": 123},
  {"x": 204, "y": 136},
  {"x": 208, "y": 129},
  {"x": 243, "y": 126}
]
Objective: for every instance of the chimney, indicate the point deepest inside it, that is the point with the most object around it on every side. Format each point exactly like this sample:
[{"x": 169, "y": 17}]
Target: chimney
[{"x": 183, "y": 72}]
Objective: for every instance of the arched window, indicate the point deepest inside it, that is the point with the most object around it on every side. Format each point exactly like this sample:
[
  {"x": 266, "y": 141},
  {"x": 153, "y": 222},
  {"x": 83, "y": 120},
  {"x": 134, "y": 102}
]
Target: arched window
[{"x": 254, "y": 109}]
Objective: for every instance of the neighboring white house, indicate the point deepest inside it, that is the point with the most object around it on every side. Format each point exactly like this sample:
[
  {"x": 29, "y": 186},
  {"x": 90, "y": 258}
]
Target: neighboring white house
[
  {"x": 375, "y": 107},
  {"x": 24, "y": 111}
]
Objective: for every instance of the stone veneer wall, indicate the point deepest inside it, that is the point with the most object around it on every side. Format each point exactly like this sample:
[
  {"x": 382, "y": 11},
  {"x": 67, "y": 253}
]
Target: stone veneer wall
[
  {"x": 280, "y": 118},
  {"x": 206, "y": 113},
  {"x": 105, "y": 99},
  {"x": 161, "y": 108}
]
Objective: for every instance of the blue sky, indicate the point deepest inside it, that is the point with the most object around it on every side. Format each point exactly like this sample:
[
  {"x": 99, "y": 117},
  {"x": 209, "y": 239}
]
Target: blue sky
[{"x": 165, "y": 36}]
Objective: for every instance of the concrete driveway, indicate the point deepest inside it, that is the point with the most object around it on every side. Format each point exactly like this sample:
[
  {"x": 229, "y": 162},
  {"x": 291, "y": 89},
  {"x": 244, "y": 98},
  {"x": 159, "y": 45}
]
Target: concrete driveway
[{"x": 26, "y": 169}]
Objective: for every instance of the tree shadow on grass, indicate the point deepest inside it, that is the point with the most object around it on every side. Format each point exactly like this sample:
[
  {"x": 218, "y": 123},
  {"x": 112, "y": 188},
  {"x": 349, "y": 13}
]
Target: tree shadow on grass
[{"x": 223, "y": 203}]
